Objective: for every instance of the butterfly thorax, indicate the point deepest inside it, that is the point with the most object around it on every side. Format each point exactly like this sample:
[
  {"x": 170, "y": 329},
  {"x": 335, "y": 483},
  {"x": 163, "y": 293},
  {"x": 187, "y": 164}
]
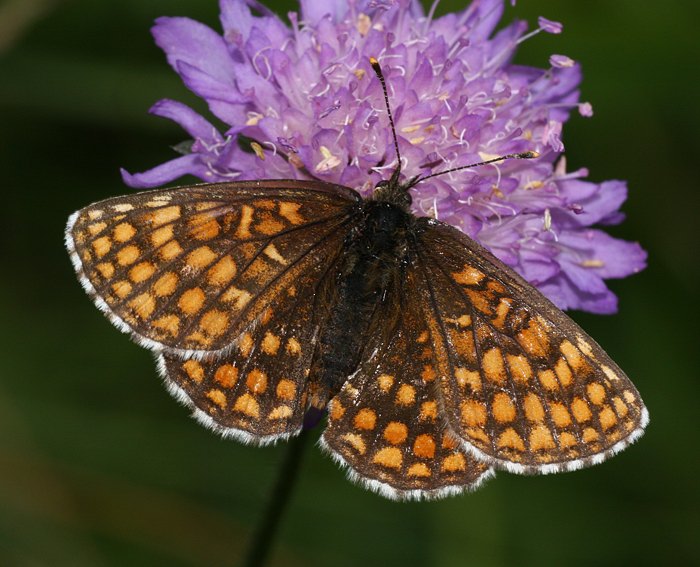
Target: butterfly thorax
[{"x": 372, "y": 267}]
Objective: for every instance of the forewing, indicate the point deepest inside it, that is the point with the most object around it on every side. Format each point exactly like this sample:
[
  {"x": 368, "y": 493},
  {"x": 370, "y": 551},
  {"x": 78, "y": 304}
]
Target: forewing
[
  {"x": 186, "y": 270},
  {"x": 522, "y": 385},
  {"x": 259, "y": 390},
  {"x": 385, "y": 424}
]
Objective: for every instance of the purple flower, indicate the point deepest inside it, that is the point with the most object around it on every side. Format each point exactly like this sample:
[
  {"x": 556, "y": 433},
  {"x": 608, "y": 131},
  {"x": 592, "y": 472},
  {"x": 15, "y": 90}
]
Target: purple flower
[{"x": 305, "y": 95}]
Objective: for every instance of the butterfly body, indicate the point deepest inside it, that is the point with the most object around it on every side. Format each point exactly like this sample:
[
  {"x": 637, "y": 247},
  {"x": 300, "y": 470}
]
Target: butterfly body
[
  {"x": 369, "y": 270},
  {"x": 436, "y": 362}
]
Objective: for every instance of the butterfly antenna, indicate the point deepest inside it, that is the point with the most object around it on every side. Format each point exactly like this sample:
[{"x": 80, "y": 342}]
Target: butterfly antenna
[
  {"x": 523, "y": 155},
  {"x": 378, "y": 71}
]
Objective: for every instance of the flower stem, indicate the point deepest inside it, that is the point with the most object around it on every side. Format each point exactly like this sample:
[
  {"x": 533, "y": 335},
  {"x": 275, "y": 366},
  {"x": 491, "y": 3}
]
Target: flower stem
[{"x": 263, "y": 538}]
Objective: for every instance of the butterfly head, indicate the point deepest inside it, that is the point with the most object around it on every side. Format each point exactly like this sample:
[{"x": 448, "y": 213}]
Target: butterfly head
[{"x": 393, "y": 191}]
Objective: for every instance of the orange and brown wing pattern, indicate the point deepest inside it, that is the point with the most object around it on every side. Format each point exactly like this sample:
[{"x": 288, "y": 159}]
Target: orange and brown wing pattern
[
  {"x": 521, "y": 384},
  {"x": 187, "y": 270},
  {"x": 259, "y": 391},
  {"x": 385, "y": 425}
]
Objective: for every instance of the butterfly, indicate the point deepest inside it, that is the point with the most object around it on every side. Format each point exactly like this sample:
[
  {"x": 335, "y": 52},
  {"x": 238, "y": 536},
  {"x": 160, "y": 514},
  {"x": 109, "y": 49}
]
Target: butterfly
[{"x": 436, "y": 363}]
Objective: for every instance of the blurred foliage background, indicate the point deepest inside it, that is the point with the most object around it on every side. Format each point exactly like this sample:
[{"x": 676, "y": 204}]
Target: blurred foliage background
[{"x": 100, "y": 467}]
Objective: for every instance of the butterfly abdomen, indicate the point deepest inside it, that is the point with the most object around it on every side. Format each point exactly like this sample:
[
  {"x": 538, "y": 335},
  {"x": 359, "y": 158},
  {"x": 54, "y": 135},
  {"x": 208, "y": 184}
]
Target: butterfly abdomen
[{"x": 371, "y": 267}]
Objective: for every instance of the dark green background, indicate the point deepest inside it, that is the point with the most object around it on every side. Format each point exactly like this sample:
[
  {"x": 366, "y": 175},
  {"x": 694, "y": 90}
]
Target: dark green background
[{"x": 100, "y": 467}]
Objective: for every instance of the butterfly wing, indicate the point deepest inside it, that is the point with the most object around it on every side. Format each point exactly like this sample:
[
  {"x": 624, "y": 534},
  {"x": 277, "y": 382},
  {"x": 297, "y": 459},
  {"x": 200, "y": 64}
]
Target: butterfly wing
[
  {"x": 521, "y": 384},
  {"x": 385, "y": 423},
  {"x": 187, "y": 270},
  {"x": 259, "y": 391}
]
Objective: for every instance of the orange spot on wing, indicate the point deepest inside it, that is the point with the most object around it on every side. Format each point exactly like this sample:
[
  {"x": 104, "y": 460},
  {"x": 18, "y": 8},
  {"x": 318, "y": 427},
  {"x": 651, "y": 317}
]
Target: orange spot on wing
[
  {"x": 248, "y": 405},
  {"x": 214, "y": 322},
  {"x": 290, "y": 211},
  {"x": 128, "y": 255},
  {"x": 365, "y": 419},
  {"x": 281, "y": 412},
  {"x": 567, "y": 440},
  {"x": 269, "y": 226},
  {"x": 194, "y": 370},
  {"x": 256, "y": 381},
  {"x": 95, "y": 228},
  {"x": 101, "y": 246},
  {"x": 271, "y": 252},
  {"x": 406, "y": 395},
  {"x": 243, "y": 230},
  {"x": 335, "y": 410},
  {"x": 573, "y": 356},
  {"x": 141, "y": 272},
  {"x": 590, "y": 435},
  {"x": 469, "y": 276},
  {"x": 226, "y": 375},
  {"x": 563, "y": 372},
  {"x": 161, "y": 235},
  {"x": 200, "y": 257},
  {"x": 168, "y": 323},
  {"x": 204, "y": 227},
  {"x": 270, "y": 344},
  {"x": 245, "y": 344},
  {"x": 286, "y": 389},
  {"x": 166, "y": 284},
  {"x": 492, "y": 363},
  {"x": 217, "y": 397},
  {"x": 164, "y": 215},
  {"x": 503, "y": 408},
  {"x": 541, "y": 438},
  {"x": 560, "y": 415},
  {"x": 509, "y": 439},
  {"x": 385, "y": 382},
  {"x": 123, "y": 232},
  {"x": 477, "y": 433},
  {"x": 463, "y": 343},
  {"x": 222, "y": 272},
  {"x": 520, "y": 368},
  {"x": 121, "y": 288},
  {"x": 106, "y": 269},
  {"x": 473, "y": 413},
  {"x": 607, "y": 418},
  {"x": 171, "y": 250},
  {"x": 470, "y": 378},
  {"x": 596, "y": 393},
  {"x": 389, "y": 457},
  {"x": 620, "y": 407},
  {"x": 454, "y": 462},
  {"x": 534, "y": 340},
  {"x": 502, "y": 312},
  {"x": 480, "y": 300},
  {"x": 419, "y": 470},
  {"x": 356, "y": 442},
  {"x": 191, "y": 301},
  {"x": 293, "y": 347},
  {"x": 424, "y": 447},
  {"x": 580, "y": 409},
  {"x": 548, "y": 379},
  {"x": 428, "y": 411},
  {"x": 396, "y": 432},
  {"x": 428, "y": 373},
  {"x": 239, "y": 297},
  {"x": 143, "y": 305},
  {"x": 533, "y": 408}
]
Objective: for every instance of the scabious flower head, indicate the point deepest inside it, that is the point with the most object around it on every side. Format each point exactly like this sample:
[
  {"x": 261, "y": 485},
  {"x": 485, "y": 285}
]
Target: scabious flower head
[{"x": 304, "y": 98}]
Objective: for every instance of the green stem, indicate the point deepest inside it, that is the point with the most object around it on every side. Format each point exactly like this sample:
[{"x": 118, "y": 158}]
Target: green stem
[{"x": 266, "y": 530}]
